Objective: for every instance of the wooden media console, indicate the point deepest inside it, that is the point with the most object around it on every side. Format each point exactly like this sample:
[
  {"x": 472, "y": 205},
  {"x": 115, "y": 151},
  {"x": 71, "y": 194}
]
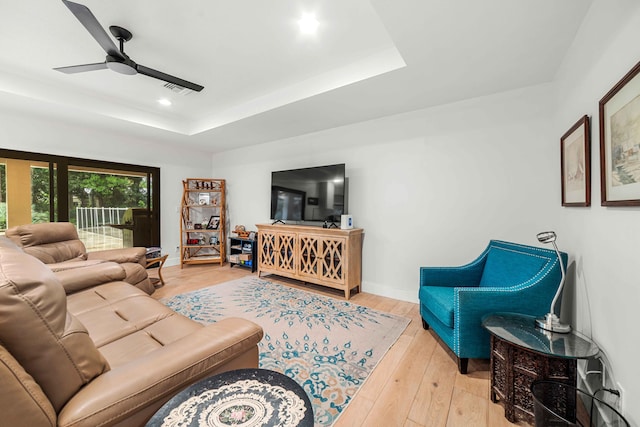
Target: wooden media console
[{"x": 324, "y": 256}]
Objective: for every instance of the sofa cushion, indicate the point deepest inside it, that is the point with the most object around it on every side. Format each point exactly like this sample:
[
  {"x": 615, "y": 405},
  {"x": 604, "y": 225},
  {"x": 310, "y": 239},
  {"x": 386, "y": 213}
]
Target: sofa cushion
[
  {"x": 72, "y": 264},
  {"x": 22, "y": 401},
  {"x": 508, "y": 267},
  {"x": 439, "y": 301},
  {"x": 77, "y": 279},
  {"x": 135, "y": 255},
  {"x": 50, "y": 243},
  {"x": 115, "y": 310},
  {"x": 51, "y": 253},
  {"x": 135, "y": 273},
  {"x": 36, "y": 328}
]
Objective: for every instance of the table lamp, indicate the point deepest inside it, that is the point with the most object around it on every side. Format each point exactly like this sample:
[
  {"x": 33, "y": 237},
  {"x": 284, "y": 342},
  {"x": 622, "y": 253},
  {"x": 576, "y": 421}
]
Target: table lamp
[{"x": 551, "y": 322}]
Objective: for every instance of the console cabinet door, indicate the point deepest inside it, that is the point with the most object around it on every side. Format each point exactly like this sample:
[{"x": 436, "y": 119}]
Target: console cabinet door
[
  {"x": 332, "y": 259},
  {"x": 267, "y": 250},
  {"x": 309, "y": 252},
  {"x": 286, "y": 252}
]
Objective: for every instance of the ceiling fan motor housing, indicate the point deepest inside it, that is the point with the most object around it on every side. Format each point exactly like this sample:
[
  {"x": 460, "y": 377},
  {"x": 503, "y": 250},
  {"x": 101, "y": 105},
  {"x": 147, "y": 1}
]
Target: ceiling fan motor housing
[{"x": 121, "y": 65}]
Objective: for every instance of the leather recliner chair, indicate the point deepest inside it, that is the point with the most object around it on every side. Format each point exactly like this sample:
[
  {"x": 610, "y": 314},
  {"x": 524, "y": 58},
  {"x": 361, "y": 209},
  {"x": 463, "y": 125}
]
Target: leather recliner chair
[{"x": 57, "y": 244}]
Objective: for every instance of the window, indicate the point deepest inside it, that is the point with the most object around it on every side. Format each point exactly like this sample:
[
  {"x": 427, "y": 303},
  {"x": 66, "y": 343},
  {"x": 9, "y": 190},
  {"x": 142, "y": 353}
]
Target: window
[
  {"x": 112, "y": 204},
  {"x": 25, "y": 191}
]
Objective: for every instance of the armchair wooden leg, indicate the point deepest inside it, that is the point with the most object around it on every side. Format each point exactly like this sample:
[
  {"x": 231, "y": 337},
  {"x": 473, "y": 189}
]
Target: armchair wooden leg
[
  {"x": 463, "y": 363},
  {"x": 425, "y": 325}
]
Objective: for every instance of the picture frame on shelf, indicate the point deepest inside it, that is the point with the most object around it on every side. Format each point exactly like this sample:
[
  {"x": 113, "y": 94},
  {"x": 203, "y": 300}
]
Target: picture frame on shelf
[
  {"x": 620, "y": 142},
  {"x": 214, "y": 222},
  {"x": 204, "y": 198},
  {"x": 197, "y": 226},
  {"x": 575, "y": 164}
]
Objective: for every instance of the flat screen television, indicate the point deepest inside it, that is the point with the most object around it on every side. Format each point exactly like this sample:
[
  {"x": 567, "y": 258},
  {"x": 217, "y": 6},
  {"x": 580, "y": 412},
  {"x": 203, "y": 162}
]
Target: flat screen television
[{"x": 309, "y": 194}]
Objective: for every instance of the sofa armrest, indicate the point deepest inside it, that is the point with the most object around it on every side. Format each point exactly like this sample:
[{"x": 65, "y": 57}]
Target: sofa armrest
[
  {"x": 77, "y": 279},
  {"x": 155, "y": 377},
  {"x": 137, "y": 254},
  {"x": 475, "y": 303},
  {"x": 467, "y": 275}
]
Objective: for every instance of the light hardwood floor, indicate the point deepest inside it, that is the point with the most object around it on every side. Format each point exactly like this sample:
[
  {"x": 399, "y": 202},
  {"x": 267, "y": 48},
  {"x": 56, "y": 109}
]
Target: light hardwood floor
[{"x": 416, "y": 384}]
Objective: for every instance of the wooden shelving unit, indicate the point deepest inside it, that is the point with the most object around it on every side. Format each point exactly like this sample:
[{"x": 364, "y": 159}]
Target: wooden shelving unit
[
  {"x": 203, "y": 221},
  {"x": 243, "y": 252}
]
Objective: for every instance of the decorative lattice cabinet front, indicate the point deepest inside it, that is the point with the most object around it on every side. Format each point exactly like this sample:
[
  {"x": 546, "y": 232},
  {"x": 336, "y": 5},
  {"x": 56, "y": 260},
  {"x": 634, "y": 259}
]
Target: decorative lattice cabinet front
[
  {"x": 203, "y": 222},
  {"x": 513, "y": 371},
  {"x": 324, "y": 256}
]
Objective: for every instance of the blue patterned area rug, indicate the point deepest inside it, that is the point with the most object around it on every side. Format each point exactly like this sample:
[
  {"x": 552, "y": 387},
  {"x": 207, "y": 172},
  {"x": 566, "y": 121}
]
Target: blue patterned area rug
[{"x": 329, "y": 346}]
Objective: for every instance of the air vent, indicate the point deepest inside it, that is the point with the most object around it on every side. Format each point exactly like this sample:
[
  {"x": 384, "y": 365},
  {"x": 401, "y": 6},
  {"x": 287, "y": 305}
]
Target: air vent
[{"x": 177, "y": 89}]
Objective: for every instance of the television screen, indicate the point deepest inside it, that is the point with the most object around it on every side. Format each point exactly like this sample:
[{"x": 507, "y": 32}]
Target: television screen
[{"x": 310, "y": 194}]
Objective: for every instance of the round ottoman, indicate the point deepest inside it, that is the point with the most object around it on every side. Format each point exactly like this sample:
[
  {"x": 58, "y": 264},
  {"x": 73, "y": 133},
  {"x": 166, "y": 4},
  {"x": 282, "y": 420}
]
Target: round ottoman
[{"x": 240, "y": 398}]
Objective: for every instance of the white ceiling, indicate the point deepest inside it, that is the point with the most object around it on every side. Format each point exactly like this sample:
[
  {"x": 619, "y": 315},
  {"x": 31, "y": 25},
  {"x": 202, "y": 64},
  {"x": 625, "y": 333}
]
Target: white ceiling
[{"x": 263, "y": 79}]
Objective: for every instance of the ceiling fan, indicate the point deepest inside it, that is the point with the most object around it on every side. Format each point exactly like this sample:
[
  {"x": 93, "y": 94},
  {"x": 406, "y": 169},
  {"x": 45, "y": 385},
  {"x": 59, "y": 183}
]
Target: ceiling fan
[{"x": 116, "y": 59}]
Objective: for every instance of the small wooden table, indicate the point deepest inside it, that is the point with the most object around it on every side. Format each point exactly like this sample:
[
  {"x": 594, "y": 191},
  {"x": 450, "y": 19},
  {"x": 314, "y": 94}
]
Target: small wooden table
[
  {"x": 521, "y": 353},
  {"x": 157, "y": 262}
]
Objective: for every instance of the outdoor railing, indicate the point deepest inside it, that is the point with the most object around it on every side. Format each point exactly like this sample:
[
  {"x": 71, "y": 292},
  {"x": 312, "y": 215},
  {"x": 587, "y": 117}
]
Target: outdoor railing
[
  {"x": 95, "y": 230},
  {"x": 93, "y": 218}
]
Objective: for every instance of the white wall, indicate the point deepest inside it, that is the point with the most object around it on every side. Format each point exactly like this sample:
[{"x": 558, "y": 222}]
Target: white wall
[
  {"x": 430, "y": 187},
  {"x": 33, "y": 134},
  {"x": 603, "y": 242}
]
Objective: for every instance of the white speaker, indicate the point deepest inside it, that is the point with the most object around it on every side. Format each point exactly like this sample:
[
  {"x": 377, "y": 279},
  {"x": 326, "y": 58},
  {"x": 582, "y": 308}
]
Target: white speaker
[{"x": 346, "y": 222}]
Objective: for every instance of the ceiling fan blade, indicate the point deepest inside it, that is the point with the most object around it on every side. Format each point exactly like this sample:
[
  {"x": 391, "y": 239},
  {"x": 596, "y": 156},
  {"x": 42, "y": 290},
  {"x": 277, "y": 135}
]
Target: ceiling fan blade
[
  {"x": 92, "y": 25},
  {"x": 82, "y": 68},
  {"x": 167, "y": 78}
]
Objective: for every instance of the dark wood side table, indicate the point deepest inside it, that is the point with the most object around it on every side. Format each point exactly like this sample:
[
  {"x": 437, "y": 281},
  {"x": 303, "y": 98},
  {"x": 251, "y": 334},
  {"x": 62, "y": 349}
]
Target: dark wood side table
[{"x": 521, "y": 353}]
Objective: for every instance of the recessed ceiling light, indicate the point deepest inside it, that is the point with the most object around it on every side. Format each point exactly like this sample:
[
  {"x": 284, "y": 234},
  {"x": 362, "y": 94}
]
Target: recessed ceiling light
[
  {"x": 164, "y": 101},
  {"x": 308, "y": 23}
]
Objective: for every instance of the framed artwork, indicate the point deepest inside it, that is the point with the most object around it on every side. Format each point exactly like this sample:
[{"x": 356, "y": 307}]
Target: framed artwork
[
  {"x": 575, "y": 164},
  {"x": 214, "y": 222},
  {"x": 620, "y": 142}
]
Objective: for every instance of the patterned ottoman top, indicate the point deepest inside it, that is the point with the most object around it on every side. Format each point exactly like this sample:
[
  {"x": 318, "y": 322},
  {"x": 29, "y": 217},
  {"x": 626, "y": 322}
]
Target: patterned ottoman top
[{"x": 241, "y": 398}]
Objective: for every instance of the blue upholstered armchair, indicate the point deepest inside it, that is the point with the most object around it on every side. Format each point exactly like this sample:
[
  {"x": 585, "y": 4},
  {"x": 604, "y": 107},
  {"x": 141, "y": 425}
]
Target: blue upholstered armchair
[{"x": 506, "y": 277}]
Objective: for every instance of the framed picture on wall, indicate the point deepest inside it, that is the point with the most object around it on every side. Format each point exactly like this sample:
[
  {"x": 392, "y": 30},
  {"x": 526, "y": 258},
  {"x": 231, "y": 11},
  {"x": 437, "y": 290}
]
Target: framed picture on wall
[
  {"x": 575, "y": 164},
  {"x": 620, "y": 142}
]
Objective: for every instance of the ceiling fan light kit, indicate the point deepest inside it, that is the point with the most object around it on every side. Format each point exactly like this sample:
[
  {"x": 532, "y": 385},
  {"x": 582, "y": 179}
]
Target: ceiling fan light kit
[{"x": 116, "y": 59}]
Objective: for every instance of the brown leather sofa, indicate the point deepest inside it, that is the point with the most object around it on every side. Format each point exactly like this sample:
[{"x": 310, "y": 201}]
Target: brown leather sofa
[
  {"x": 57, "y": 245},
  {"x": 106, "y": 355}
]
